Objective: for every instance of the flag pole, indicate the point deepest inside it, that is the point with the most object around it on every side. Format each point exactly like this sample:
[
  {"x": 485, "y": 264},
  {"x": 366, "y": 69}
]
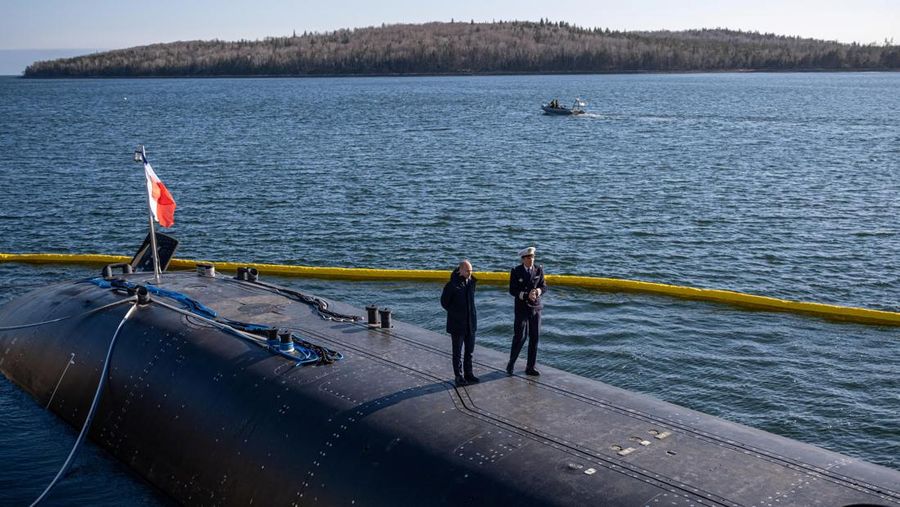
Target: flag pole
[
  {"x": 155, "y": 253},
  {"x": 140, "y": 155}
]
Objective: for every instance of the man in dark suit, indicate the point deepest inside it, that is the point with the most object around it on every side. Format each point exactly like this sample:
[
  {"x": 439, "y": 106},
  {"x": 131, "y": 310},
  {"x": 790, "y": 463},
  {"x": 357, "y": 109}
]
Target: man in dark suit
[
  {"x": 526, "y": 285},
  {"x": 458, "y": 298}
]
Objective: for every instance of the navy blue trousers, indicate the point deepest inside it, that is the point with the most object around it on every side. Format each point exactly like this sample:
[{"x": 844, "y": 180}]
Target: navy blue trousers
[{"x": 531, "y": 322}]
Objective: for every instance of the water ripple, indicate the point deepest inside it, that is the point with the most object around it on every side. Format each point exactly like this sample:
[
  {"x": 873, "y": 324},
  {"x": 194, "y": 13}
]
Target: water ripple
[{"x": 785, "y": 185}]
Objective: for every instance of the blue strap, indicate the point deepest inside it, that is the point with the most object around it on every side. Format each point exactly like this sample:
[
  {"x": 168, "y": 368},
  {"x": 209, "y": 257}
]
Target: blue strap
[
  {"x": 191, "y": 304},
  {"x": 194, "y": 306}
]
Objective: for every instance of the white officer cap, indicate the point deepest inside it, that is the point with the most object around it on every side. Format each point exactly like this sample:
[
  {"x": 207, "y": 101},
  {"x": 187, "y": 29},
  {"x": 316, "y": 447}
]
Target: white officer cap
[{"x": 528, "y": 251}]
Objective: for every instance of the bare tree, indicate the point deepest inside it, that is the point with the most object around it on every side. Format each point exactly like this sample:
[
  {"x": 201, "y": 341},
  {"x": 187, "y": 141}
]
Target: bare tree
[{"x": 499, "y": 47}]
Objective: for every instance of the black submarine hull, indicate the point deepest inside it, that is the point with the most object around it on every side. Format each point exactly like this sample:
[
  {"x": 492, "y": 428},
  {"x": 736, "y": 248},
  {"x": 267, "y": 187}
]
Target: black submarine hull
[{"x": 214, "y": 419}]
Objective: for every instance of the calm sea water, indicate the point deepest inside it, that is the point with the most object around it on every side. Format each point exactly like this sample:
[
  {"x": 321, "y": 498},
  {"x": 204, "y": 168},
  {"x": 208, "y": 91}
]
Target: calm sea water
[{"x": 785, "y": 185}]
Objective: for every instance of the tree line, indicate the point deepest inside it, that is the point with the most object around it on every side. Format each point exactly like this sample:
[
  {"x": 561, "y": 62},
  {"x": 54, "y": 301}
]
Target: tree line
[{"x": 477, "y": 48}]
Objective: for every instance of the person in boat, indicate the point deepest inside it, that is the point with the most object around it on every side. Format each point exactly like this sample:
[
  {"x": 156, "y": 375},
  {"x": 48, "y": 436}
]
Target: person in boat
[
  {"x": 526, "y": 285},
  {"x": 458, "y": 298}
]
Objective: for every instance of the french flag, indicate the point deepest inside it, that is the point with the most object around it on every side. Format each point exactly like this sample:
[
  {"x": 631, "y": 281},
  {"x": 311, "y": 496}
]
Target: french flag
[{"x": 162, "y": 205}]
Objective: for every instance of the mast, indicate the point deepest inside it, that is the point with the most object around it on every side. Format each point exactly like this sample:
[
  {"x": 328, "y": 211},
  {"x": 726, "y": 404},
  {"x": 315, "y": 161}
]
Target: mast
[{"x": 140, "y": 155}]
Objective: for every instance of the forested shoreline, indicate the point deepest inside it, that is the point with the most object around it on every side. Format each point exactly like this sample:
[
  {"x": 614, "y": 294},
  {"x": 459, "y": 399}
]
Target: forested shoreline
[{"x": 477, "y": 48}]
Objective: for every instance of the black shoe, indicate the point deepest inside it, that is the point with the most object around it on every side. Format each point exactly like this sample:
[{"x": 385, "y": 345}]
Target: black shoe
[
  {"x": 472, "y": 379},
  {"x": 460, "y": 382},
  {"x": 532, "y": 372},
  {"x": 509, "y": 369}
]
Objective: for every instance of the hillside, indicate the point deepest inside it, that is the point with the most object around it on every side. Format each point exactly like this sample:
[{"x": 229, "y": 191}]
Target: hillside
[{"x": 477, "y": 48}]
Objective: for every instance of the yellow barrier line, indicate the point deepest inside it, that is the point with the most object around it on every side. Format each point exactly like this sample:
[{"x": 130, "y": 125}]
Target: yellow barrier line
[
  {"x": 846, "y": 313},
  {"x": 90, "y": 259}
]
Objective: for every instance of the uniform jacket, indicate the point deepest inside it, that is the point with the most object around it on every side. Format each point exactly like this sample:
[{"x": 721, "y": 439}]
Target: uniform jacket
[
  {"x": 521, "y": 283},
  {"x": 458, "y": 298}
]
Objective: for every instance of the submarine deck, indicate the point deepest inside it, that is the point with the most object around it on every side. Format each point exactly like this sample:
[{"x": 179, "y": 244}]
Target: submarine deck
[
  {"x": 560, "y": 438},
  {"x": 584, "y": 424}
]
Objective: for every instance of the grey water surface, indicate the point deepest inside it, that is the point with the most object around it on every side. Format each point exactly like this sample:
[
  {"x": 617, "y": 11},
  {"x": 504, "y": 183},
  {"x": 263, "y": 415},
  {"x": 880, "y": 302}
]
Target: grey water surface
[{"x": 786, "y": 185}]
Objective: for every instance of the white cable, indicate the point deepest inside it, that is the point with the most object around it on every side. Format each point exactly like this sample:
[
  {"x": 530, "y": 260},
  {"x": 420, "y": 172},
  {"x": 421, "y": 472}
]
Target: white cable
[
  {"x": 35, "y": 324},
  {"x": 94, "y": 404}
]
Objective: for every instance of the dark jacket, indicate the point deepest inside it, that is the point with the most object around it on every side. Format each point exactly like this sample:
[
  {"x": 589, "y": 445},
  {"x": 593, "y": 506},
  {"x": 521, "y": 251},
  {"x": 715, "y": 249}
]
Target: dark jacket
[
  {"x": 521, "y": 283},
  {"x": 458, "y": 298}
]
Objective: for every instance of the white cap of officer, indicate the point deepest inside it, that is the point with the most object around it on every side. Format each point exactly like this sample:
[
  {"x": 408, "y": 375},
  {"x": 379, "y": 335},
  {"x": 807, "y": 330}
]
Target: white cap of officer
[{"x": 527, "y": 251}]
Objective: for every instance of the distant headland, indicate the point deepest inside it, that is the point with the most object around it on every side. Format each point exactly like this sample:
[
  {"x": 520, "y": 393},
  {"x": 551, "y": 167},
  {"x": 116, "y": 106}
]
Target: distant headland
[{"x": 503, "y": 47}]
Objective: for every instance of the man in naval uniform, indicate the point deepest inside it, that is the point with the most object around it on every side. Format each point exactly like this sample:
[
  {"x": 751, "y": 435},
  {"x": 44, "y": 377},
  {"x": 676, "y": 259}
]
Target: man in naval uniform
[
  {"x": 458, "y": 298},
  {"x": 526, "y": 285}
]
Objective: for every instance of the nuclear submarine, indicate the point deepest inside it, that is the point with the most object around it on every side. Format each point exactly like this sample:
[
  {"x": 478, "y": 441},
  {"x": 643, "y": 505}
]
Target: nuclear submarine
[{"x": 224, "y": 389}]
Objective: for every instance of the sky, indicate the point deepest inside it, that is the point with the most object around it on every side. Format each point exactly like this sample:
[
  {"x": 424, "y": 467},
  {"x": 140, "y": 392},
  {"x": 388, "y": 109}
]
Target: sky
[{"x": 91, "y": 25}]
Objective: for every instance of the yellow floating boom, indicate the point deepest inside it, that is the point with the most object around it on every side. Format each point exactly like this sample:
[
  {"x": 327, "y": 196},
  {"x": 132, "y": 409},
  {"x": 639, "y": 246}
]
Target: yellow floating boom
[{"x": 845, "y": 313}]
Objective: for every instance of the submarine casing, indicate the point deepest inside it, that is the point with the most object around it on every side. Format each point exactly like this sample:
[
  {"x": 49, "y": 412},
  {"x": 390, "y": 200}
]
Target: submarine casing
[{"x": 212, "y": 419}]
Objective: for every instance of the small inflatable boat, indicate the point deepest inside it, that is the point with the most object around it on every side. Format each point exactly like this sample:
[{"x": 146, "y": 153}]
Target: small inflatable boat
[{"x": 555, "y": 108}]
